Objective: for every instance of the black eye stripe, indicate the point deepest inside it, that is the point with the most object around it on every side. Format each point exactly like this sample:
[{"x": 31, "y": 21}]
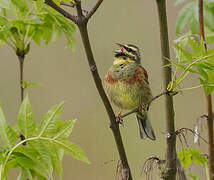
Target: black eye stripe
[{"x": 129, "y": 49}]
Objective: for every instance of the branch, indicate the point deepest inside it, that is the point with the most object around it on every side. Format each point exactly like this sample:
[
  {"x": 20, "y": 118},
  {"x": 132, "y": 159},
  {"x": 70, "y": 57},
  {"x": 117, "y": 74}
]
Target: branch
[
  {"x": 21, "y": 66},
  {"x": 128, "y": 113},
  {"x": 170, "y": 173},
  {"x": 114, "y": 125},
  {"x": 81, "y": 22},
  {"x": 156, "y": 97},
  {"x": 208, "y": 100},
  {"x": 79, "y": 10},
  {"x": 72, "y": 5},
  {"x": 94, "y": 9},
  {"x": 147, "y": 106},
  {"x": 61, "y": 11}
]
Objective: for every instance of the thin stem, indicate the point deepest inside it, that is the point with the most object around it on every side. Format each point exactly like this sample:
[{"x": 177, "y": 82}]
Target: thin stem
[
  {"x": 208, "y": 101},
  {"x": 72, "y": 5},
  {"x": 94, "y": 9},
  {"x": 60, "y": 10},
  {"x": 191, "y": 88},
  {"x": 156, "y": 97},
  {"x": 147, "y": 106},
  {"x": 19, "y": 144},
  {"x": 21, "y": 68},
  {"x": 128, "y": 113},
  {"x": 170, "y": 173},
  {"x": 79, "y": 10}
]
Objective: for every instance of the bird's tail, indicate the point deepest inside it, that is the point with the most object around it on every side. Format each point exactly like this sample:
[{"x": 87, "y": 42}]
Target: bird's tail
[{"x": 145, "y": 127}]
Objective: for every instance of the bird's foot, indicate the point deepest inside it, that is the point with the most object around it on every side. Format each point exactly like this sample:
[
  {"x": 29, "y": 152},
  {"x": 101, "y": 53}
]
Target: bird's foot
[
  {"x": 119, "y": 118},
  {"x": 142, "y": 107}
]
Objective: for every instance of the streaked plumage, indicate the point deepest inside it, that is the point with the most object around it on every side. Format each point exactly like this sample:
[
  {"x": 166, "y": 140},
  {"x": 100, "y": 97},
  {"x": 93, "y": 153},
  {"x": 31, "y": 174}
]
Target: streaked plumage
[{"x": 128, "y": 87}]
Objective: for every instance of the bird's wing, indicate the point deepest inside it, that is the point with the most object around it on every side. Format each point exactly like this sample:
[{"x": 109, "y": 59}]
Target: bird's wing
[{"x": 144, "y": 74}]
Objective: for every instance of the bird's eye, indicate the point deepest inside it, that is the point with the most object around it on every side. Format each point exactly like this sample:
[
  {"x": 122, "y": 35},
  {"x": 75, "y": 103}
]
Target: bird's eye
[{"x": 124, "y": 58}]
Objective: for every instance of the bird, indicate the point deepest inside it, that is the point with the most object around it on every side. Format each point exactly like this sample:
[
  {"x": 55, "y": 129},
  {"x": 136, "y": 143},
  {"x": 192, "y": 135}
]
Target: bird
[{"x": 128, "y": 88}]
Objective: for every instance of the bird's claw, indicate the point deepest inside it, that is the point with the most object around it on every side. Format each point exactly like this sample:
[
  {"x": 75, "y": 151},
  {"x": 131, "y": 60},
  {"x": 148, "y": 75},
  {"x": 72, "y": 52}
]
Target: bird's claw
[
  {"x": 119, "y": 119},
  {"x": 143, "y": 107}
]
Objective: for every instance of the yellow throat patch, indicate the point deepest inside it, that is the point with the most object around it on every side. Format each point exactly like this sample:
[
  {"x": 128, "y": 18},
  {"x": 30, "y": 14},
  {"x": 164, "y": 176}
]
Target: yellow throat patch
[{"x": 120, "y": 60}]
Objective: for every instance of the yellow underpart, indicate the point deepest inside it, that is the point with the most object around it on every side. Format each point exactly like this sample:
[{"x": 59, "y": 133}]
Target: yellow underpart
[{"x": 118, "y": 61}]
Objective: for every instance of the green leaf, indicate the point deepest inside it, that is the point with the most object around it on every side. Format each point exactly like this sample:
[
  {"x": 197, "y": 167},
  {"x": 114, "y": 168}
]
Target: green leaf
[
  {"x": 50, "y": 118},
  {"x": 3, "y": 21},
  {"x": 184, "y": 16},
  {"x": 203, "y": 73},
  {"x": 5, "y": 4},
  {"x": 25, "y": 174},
  {"x": 39, "y": 5},
  {"x": 193, "y": 177},
  {"x": 194, "y": 45},
  {"x": 26, "y": 121},
  {"x": 208, "y": 17},
  {"x": 21, "y": 6},
  {"x": 68, "y": 29},
  {"x": 7, "y": 134},
  {"x": 210, "y": 38},
  {"x": 194, "y": 26},
  {"x": 26, "y": 84},
  {"x": 56, "y": 156},
  {"x": 74, "y": 150},
  {"x": 184, "y": 55},
  {"x": 43, "y": 165},
  {"x": 208, "y": 88},
  {"x": 65, "y": 128},
  {"x": 20, "y": 160},
  {"x": 187, "y": 156}
]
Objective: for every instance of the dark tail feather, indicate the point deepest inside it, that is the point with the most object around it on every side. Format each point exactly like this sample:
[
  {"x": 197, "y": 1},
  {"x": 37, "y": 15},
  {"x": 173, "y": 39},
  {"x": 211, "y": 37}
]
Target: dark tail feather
[{"x": 145, "y": 127}]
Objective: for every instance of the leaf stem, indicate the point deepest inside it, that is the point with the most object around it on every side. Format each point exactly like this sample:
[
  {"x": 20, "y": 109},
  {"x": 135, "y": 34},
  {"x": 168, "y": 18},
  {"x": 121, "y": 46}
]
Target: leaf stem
[
  {"x": 19, "y": 144},
  {"x": 190, "y": 88}
]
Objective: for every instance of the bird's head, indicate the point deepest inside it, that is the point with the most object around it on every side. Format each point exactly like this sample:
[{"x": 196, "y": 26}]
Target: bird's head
[{"x": 128, "y": 52}]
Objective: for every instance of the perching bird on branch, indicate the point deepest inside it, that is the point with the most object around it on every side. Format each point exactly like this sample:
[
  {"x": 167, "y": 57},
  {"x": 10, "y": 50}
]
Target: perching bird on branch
[{"x": 128, "y": 87}]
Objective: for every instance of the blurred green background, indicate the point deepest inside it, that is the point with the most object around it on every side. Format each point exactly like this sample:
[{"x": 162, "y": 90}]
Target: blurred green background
[{"x": 65, "y": 76}]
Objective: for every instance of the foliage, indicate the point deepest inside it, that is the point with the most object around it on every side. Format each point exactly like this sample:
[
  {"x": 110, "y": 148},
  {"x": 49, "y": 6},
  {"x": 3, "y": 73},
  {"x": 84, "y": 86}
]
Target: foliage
[
  {"x": 44, "y": 147},
  {"x": 191, "y": 54},
  {"x": 188, "y": 16},
  {"x": 192, "y": 58},
  {"x": 189, "y": 156},
  {"x": 23, "y": 21}
]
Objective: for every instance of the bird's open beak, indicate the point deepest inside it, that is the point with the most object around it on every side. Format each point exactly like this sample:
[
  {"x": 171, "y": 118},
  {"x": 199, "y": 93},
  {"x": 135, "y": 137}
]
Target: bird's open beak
[
  {"x": 121, "y": 50},
  {"x": 118, "y": 51}
]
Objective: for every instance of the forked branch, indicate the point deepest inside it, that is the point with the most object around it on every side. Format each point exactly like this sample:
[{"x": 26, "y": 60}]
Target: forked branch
[
  {"x": 94, "y": 9},
  {"x": 81, "y": 21},
  {"x": 61, "y": 11}
]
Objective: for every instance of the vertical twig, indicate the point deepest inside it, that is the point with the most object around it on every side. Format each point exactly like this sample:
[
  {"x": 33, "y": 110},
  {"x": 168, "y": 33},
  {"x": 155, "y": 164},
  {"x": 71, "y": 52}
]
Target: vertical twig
[
  {"x": 170, "y": 173},
  {"x": 21, "y": 69},
  {"x": 21, "y": 57},
  {"x": 81, "y": 21},
  {"x": 208, "y": 100}
]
